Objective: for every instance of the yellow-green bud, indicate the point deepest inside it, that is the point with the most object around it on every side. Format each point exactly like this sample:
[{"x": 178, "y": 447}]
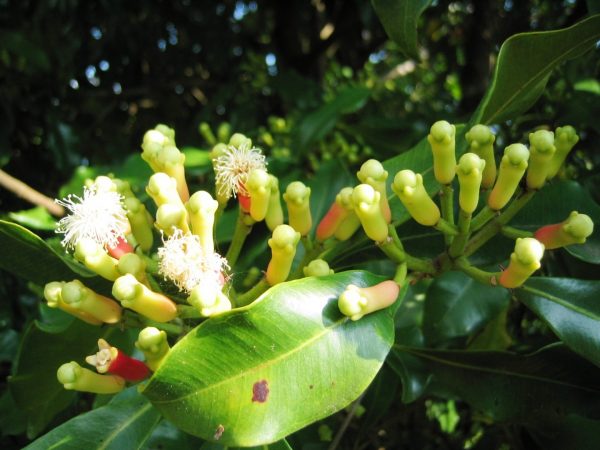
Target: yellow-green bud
[
  {"x": 238, "y": 140},
  {"x": 317, "y": 268},
  {"x": 171, "y": 161},
  {"x": 355, "y": 301},
  {"x": 274, "y": 215},
  {"x": 470, "y": 170},
  {"x": 297, "y": 199},
  {"x": 74, "y": 377},
  {"x": 351, "y": 222},
  {"x": 512, "y": 168},
  {"x": 565, "y": 139},
  {"x": 409, "y": 188},
  {"x": 170, "y": 217},
  {"x": 258, "y": 186},
  {"x": 53, "y": 295},
  {"x": 201, "y": 208},
  {"x": 442, "y": 141},
  {"x": 541, "y": 149},
  {"x": 95, "y": 258},
  {"x": 218, "y": 150},
  {"x": 78, "y": 296},
  {"x": 481, "y": 142},
  {"x": 163, "y": 189},
  {"x": 140, "y": 221},
  {"x": 209, "y": 300},
  {"x": 134, "y": 295},
  {"x": 133, "y": 264},
  {"x": 368, "y": 209},
  {"x": 283, "y": 245},
  {"x": 153, "y": 343},
  {"x": 575, "y": 230},
  {"x": 207, "y": 134},
  {"x": 373, "y": 174},
  {"x": 224, "y": 131},
  {"x": 523, "y": 262}
]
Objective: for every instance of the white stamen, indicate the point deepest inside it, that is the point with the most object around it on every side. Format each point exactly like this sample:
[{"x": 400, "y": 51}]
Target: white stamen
[
  {"x": 98, "y": 215},
  {"x": 233, "y": 166},
  {"x": 182, "y": 260}
]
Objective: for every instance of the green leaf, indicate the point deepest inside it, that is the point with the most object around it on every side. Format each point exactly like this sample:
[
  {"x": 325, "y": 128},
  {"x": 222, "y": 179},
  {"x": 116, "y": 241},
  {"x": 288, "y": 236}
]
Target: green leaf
[
  {"x": 571, "y": 308},
  {"x": 259, "y": 373},
  {"x": 494, "y": 336},
  {"x": 400, "y": 19},
  {"x": 43, "y": 349},
  {"x": 38, "y": 218},
  {"x": 195, "y": 157},
  {"x": 456, "y": 306},
  {"x": 575, "y": 432},
  {"x": 279, "y": 445},
  {"x": 125, "y": 423},
  {"x": 317, "y": 124},
  {"x": 524, "y": 65},
  {"x": 532, "y": 389},
  {"x": 553, "y": 205},
  {"x": 167, "y": 436}
]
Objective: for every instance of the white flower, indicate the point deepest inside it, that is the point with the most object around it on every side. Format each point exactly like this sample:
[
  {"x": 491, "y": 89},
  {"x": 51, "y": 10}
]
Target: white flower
[
  {"x": 182, "y": 260},
  {"x": 98, "y": 215},
  {"x": 233, "y": 166}
]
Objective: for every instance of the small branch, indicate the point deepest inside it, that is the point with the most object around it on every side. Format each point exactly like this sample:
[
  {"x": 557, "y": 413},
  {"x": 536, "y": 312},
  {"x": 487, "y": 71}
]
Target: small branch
[
  {"x": 249, "y": 296},
  {"x": 489, "y": 278},
  {"x": 446, "y": 200},
  {"x": 514, "y": 233},
  {"x": 242, "y": 229},
  {"x": 458, "y": 245},
  {"x": 29, "y": 194},
  {"x": 340, "y": 434}
]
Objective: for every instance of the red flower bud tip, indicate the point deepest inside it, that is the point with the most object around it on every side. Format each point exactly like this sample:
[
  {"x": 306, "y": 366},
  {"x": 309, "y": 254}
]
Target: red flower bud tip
[
  {"x": 331, "y": 221},
  {"x": 122, "y": 248},
  {"x": 111, "y": 360},
  {"x": 574, "y": 230},
  {"x": 244, "y": 202}
]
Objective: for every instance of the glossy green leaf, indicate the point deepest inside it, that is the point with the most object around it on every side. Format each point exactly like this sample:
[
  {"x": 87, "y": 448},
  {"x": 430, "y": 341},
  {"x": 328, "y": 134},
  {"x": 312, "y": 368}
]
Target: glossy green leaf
[
  {"x": 124, "y": 423},
  {"x": 526, "y": 389},
  {"x": 38, "y": 218},
  {"x": 553, "y": 204},
  {"x": 456, "y": 306},
  {"x": 257, "y": 374},
  {"x": 524, "y": 65},
  {"x": 317, "y": 124},
  {"x": 400, "y": 19},
  {"x": 43, "y": 349},
  {"x": 494, "y": 336},
  {"x": 195, "y": 157},
  {"x": 571, "y": 308},
  {"x": 279, "y": 445}
]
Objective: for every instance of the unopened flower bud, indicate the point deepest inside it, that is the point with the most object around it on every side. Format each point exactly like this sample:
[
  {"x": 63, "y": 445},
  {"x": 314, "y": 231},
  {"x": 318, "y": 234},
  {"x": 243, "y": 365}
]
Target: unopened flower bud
[
  {"x": 95, "y": 258},
  {"x": 335, "y": 216},
  {"x": 153, "y": 343},
  {"x": 541, "y": 149},
  {"x": 134, "y": 295},
  {"x": 111, "y": 360},
  {"x": 171, "y": 161},
  {"x": 565, "y": 139},
  {"x": 317, "y": 268},
  {"x": 171, "y": 217},
  {"x": 239, "y": 140},
  {"x": 140, "y": 221},
  {"x": 53, "y": 295},
  {"x": 470, "y": 170},
  {"x": 481, "y": 142},
  {"x": 355, "y": 301},
  {"x": 201, "y": 208},
  {"x": 575, "y": 230},
  {"x": 133, "y": 264},
  {"x": 368, "y": 209},
  {"x": 163, "y": 189},
  {"x": 206, "y": 132},
  {"x": 80, "y": 297},
  {"x": 523, "y": 262},
  {"x": 297, "y": 199},
  {"x": 373, "y": 174},
  {"x": 283, "y": 245},
  {"x": 258, "y": 186},
  {"x": 74, "y": 377},
  {"x": 442, "y": 141},
  {"x": 209, "y": 300},
  {"x": 350, "y": 223},
  {"x": 274, "y": 215},
  {"x": 409, "y": 188},
  {"x": 512, "y": 168}
]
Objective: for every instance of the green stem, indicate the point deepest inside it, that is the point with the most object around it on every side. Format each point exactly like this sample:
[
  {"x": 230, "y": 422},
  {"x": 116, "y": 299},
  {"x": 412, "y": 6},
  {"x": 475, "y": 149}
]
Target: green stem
[
  {"x": 482, "y": 217},
  {"x": 489, "y": 278},
  {"x": 400, "y": 276},
  {"x": 237, "y": 241},
  {"x": 458, "y": 245},
  {"x": 514, "y": 233},
  {"x": 188, "y": 312},
  {"x": 447, "y": 200},
  {"x": 447, "y": 228},
  {"x": 395, "y": 251},
  {"x": 494, "y": 226},
  {"x": 134, "y": 320},
  {"x": 249, "y": 296}
]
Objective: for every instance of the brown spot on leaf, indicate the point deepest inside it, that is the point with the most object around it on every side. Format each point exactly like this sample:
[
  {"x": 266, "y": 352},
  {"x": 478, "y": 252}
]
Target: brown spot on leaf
[
  {"x": 311, "y": 386},
  {"x": 219, "y": 432},
  {"x": 260, "y": 391}
]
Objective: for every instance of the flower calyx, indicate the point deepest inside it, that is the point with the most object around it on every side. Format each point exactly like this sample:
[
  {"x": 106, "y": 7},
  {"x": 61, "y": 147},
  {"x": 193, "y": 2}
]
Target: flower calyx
[{"x": 113, "y": 361}]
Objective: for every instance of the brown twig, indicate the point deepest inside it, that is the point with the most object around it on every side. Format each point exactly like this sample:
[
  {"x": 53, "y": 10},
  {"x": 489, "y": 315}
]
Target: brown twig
[{"x": 29, "y": 194}]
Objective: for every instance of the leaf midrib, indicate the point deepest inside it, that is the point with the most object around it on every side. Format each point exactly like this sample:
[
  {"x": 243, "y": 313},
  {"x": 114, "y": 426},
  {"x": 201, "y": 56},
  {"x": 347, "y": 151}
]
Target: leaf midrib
[
  {"x": 124, "y": 425},
  {"x": 561, "y": 302}
]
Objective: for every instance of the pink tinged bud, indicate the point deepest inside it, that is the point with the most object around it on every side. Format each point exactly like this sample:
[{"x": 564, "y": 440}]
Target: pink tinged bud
[
  {"x": 331, "y": 221},
  {"x": 356, "y": 302},
  {"x": 349, "y": 224},
  {"x": 541, "y": 148},
  {"x": 245, "y": 202},
  {"x": 442, "y": 141},
  {"x": 523, "y": 262},
  {"x": 122, "y": 248},
  {"x": 53, "y": 295},
  {"x": 134, "y": 295},
  {"x": 78, "y": 296},
  {"x": 74, "y": 377},
  {"x": 575, "y": 230},
  {"x": 512, "y": 167}
]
